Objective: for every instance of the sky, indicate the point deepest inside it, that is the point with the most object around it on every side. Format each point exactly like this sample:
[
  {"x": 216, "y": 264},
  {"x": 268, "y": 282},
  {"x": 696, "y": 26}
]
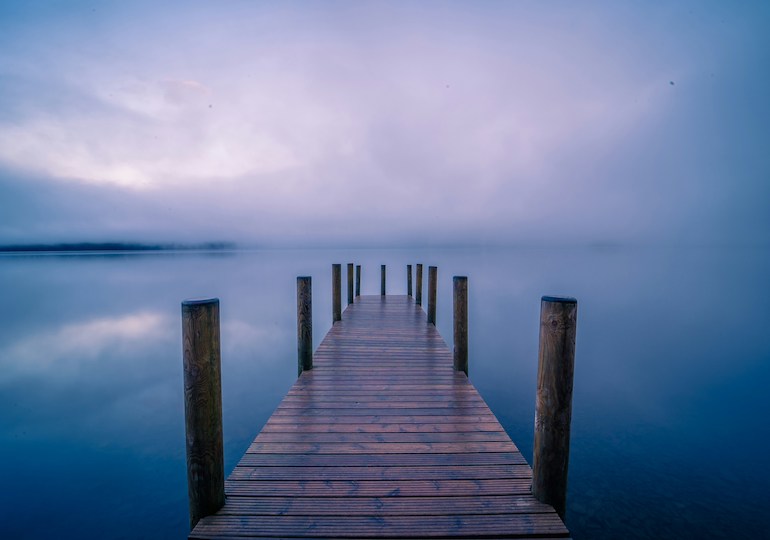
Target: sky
[{"x": 385, "y": 123}]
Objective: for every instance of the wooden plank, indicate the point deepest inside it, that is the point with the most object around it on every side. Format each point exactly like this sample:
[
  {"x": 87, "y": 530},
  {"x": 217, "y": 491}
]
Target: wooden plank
[
  {"x": 430, "y": 472},
  {"x": 380, "y": 460},
  {"x": 230, "y": 536},
  {"x": 378, "y": 448},
  {"x": 394, "y": 404},
  {"x": 374, "y": 419},
  {"x": 366, "y": 438},
  {"x": 383, "y": 488},
  {"x": 382, "y": 411},
  {"x": 382, "y": 439},
  {"x": 382, "y": 527},
  {"x": 464, "y": 537},
  {"x": 351, "y": 395},
  {"x": 389, "y": 506},
  {"x": 427, "y": 392},
  {"x": 382, "y": 427},
  {"x": 343, "y": 401}
]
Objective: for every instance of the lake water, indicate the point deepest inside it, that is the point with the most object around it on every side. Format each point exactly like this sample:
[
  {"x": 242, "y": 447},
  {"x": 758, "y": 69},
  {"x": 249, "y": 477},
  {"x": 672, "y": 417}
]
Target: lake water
[{"x": 669, "y": 438}]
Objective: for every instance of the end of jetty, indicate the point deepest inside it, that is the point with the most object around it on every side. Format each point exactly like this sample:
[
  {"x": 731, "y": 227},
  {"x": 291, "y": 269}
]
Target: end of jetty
[{"x": 382, "y": 435}]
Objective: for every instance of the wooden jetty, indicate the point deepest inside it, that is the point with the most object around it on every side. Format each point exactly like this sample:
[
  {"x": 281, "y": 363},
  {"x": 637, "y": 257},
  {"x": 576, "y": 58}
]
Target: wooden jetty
[{"x": 382, "y": 438}]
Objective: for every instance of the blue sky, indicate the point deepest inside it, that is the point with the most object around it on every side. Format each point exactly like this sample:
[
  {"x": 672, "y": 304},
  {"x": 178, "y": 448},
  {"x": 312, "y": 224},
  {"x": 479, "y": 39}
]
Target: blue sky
[{"x": 369, "y": 123}]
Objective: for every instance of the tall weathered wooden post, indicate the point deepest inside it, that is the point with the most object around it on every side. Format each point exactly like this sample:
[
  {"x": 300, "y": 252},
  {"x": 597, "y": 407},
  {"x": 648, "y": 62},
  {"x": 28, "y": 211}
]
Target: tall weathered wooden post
[
  {"x": 336, "y": 293},
  {"x": 382, "y": 280},
  {"x": 432, "y": 284},
  {"x": 350, "y": 283},
  {"x": 553, "y": 412},
  {"x": 418, "y": 291},
  {"x": 460, "y": 310},
  {"x": 304, "y": 324},
  {"x": 409, "y": 280},
  {"x": 358, "y": 280},
  {"x": 203, "y": 407}
]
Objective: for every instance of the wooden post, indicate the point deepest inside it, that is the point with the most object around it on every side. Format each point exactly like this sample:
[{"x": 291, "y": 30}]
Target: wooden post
[
  {"x": 336, "y": 293},
  {"x": 358, "y": 280},
  {"x": 409, "y": 280},
  {"x": 553, "y": 412},
  {"x": 382, "y": 280},
  {"x": 350, "y": 283},
  {"x": 418, "y": 294},
  {"x": 203, "y": 407},
  {"x": 304, "y": 324},
  {"x": 460, "y": 308},
  {"x": 432, "y": 282}
]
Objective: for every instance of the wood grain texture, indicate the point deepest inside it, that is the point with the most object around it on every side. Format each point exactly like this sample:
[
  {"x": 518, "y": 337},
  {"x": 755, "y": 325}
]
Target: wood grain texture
[
  {"x": 382, "y": 280},
  {"x": 460, "y": 322},
  {"x": 432, "y": 285},
  {"x": 418, "y": 285},
  {"x": 336, "y": 293},
  {"x": 350, "y": 283},
  {"x": 553, "y": 411},
  {"x": 489, "y": 526},
  {"x": 203, "y": 407},
  {"x": 409, "y": 280},
  {"x": 382, "y": 439},
  {"x": 304, "y": 324}
]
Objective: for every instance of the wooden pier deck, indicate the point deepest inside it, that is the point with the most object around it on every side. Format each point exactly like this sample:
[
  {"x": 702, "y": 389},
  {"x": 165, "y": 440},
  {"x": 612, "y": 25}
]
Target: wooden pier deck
[{"x": 382, "y": 439}]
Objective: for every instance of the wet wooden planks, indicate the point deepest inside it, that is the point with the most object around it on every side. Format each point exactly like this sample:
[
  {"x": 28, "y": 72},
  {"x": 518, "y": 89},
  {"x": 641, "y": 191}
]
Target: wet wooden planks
[{"x": 382, "y": 439}]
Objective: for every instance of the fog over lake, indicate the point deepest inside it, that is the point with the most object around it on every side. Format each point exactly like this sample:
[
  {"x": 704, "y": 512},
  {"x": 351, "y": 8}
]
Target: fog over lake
[
  {"x": 670, "y": 375},
  {"x": 614, "y": 152}
]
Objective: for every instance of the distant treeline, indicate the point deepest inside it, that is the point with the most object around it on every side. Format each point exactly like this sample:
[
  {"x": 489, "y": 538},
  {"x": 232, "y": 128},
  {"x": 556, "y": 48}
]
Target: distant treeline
[{"x": 116, "y": 246}]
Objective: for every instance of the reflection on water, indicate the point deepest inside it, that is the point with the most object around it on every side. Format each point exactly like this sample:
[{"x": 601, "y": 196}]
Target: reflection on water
[
  {"x": 67, "y": 350},
  {"x": 671, "y": 376}
]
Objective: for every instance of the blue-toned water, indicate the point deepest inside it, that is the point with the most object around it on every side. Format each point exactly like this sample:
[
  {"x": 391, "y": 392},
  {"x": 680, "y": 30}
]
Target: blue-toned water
[{"x": 670, "y": 436}]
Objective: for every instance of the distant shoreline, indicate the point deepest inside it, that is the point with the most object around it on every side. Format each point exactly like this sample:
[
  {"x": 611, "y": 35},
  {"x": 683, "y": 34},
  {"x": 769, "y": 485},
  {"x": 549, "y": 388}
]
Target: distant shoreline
[{"x": 114, "y": 246}]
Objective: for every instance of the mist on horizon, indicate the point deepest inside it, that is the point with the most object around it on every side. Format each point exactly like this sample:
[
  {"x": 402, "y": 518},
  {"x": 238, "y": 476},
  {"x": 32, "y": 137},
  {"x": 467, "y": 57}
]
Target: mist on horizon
[{"x": 384, "y": 124}]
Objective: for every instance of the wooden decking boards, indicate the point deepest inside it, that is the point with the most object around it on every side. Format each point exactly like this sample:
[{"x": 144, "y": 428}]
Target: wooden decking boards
[{"x": 382, "y": 439}]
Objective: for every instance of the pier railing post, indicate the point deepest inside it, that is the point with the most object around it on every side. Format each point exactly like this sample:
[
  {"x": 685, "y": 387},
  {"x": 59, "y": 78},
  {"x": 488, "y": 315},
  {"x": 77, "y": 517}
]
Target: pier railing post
[
  {"x": 350, "y": 283},
  {"x": 460, "y": 309},
  {"x": 553, "y": 412},
  {"x": 304, "y": 324},
  {"x": 203, "y": 407},
  {"x": 409, "y": 280},
  {"x": 418, "y": 292},
  {"x": 382, "y": 280},
  {"x": 432, "y": 283},
  {"x": 336, "y": 293}
]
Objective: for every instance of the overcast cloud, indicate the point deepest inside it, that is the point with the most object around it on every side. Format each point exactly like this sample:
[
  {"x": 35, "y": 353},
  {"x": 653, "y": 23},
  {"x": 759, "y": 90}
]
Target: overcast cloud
[{"x": 361, "y": 123}]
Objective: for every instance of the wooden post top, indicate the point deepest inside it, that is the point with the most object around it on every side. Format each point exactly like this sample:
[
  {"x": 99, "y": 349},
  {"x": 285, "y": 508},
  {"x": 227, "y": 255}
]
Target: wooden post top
[
  {"x": 559, "y": 299},
  {"x": 199, "y": 301}
]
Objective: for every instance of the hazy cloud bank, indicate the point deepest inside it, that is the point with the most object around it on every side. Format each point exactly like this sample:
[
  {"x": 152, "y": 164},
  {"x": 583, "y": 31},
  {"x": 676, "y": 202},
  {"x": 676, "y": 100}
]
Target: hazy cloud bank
[{"x": 361, "y": 123}]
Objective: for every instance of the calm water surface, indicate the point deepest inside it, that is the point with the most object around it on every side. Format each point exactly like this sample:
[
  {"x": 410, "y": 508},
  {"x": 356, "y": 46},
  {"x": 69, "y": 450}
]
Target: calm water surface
[{"x": 670, "y": 437}]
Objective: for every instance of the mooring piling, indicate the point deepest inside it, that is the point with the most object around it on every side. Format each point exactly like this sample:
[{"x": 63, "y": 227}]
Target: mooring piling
[
  {"x": 553, "y": 412},
  {"x": 460, "y": 311},
  {"x": 304, "y": 324},
  {"x": 409, "y": 280},
  {"x": 336, "y": 293},
  {"x": 432, "y": 284},
  {"x": 203, "y": 407},
  {"x": 350, "y": 283},
  {"x": 382, "y": 280},
  {"x": 418, "y": 292}
]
